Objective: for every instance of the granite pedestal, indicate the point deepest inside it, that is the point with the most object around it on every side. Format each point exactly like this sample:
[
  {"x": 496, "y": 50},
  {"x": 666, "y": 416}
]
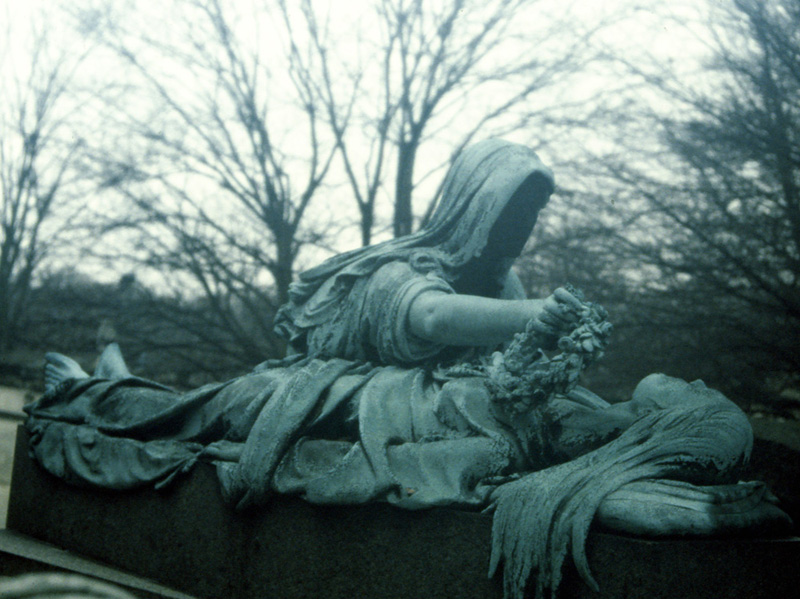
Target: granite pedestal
[{"x": 186, "y": 538}]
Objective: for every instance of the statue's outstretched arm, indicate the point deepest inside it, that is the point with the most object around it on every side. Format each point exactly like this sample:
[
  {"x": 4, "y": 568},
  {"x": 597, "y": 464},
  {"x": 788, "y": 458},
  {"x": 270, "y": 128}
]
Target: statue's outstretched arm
[{"x": 470, "y": 320}]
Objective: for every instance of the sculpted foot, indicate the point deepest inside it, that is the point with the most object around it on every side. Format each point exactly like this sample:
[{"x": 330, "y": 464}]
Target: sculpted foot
[
  {"x": 59, "y": 368},
  {"x": 111, "y": 364}
]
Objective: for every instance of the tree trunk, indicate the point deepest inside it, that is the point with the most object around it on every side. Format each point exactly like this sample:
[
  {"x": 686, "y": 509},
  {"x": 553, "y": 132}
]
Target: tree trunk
[
  {"x": 367, "y": 221},
  {"x": 403, "y": 220},
  {"x": 285, "y": 264}
]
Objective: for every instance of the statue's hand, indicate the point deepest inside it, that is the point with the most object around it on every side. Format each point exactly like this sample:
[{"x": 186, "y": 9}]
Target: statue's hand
[{"x": 560, "y": 312}]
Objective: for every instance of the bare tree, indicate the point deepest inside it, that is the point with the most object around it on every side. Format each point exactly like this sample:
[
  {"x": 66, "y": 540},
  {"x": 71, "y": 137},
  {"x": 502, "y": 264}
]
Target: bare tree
[
  {"x": 445, "y": 71},
  {"x": 710, "y": 210},
  {"x": 240, "y": 121},
  {"x": 37, "y": 152},
  {"x": 221, "y": 169}
]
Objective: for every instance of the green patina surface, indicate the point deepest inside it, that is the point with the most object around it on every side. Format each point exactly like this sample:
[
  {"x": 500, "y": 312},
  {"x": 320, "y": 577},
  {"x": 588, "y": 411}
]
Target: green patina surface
[{"x": 410, "y": 387}]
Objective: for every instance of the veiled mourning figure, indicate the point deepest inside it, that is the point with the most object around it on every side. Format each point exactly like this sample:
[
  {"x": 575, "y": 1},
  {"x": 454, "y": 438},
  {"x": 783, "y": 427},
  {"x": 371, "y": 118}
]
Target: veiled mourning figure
[{"x": 396, "y": 391}]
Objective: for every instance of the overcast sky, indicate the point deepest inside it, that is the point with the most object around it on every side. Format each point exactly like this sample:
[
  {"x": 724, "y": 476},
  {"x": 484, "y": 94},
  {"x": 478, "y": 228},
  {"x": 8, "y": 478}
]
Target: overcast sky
[{"x": 641, "y": 33}]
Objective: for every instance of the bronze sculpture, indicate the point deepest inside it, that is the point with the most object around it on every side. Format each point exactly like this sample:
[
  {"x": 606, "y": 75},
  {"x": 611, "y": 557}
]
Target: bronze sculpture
[{"x": 421, "y": 376}]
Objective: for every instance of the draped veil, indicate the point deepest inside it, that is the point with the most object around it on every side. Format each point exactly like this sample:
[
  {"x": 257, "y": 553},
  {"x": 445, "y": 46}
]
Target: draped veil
[{"x": 478, "y": 186}]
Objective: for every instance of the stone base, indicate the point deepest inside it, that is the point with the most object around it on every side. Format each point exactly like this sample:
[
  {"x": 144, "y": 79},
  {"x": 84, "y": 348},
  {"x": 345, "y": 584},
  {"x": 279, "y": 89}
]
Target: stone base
[{"x": 185, "y": 538}]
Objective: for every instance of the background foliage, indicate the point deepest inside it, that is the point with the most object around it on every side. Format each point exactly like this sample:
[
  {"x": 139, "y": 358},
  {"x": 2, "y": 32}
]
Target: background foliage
[{"x": 167, "y": 170}]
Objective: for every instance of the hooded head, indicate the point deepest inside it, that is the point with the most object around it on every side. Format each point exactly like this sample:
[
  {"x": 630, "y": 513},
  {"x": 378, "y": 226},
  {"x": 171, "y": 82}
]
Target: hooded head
[
  {"x": 488, "y": 207},
  {"x": 494, "y": 189}
]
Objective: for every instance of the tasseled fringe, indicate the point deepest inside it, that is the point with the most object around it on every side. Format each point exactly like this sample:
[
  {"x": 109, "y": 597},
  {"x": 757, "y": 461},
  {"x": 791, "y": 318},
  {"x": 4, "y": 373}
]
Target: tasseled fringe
[{"x": 543, "y": 515}]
